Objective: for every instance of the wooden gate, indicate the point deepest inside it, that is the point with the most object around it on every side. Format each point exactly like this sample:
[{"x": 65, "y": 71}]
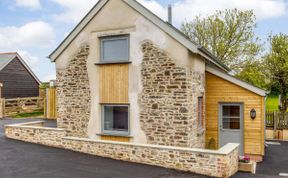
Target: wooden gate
[
  {"x": 50, "y": 103},
  {"x": 277, "y": 120}
]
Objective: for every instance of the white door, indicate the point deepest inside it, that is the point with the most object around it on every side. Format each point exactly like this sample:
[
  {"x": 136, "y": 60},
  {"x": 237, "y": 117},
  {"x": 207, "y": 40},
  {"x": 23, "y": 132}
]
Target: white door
[{"x": 231, "y": 124}]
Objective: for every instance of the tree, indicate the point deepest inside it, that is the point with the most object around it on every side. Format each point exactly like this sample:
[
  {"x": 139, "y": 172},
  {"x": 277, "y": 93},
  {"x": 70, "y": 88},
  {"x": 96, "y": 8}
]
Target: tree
[
  {"x": 252, "y": 73},
  {"x": 228, "y": 34},
  {"x": 276, "y": 64}
]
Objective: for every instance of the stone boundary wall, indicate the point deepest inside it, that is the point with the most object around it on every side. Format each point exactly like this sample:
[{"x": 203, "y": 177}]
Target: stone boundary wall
[
  {"x": 34, "y": 132},
  {"x": 220, "y": 163}
]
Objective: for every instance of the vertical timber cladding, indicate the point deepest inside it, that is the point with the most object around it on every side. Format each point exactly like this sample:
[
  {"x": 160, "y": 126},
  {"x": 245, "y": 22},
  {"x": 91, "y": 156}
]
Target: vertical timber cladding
[
  {"x": 220, "y": 90},
  {"x": 114, "y": 84}
]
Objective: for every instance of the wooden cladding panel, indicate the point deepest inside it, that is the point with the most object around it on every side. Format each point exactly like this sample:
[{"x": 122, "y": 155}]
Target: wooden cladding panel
[
  {"x": 113, "y": 83},
  {"x": 50, "y": 108},
  {"x": 220, "y": 90},
  {"x": 115, "y": 138}
]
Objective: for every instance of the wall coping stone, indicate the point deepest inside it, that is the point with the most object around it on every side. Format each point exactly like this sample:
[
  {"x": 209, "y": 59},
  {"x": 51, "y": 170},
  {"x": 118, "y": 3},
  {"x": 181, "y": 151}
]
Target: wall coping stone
[
  {"x": 225, "y": 150},
  {"x": 30, "y": 125}
]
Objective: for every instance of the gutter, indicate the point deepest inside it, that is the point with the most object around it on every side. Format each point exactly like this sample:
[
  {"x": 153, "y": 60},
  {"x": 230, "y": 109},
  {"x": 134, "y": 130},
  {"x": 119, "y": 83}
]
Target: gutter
[{"x": 214, "y": 58}]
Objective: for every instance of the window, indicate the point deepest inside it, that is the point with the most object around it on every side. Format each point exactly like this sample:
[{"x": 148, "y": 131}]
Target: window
[
  {"x": 115, "y": 119},
  {"x": 231, "y": 117},
  {"x": 200, "y": 112},
  {"x": 115, "y": 49}
]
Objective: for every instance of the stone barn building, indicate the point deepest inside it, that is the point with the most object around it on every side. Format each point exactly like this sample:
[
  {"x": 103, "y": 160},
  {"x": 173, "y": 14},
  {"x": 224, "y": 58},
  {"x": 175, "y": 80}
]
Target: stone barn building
[{"x": 132, "y": 87}]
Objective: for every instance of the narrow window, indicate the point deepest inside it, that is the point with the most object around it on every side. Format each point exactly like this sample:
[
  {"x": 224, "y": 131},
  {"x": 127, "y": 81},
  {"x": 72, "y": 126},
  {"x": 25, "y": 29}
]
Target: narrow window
[
  {"x": 200, "y": 112},
  {"x": 115, "y": 119},
  {"x": 115, "y": 49},
  {"x": 231, "y": 117}
]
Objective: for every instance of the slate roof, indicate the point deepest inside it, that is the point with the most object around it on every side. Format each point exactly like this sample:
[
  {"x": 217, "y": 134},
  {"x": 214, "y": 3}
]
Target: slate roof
[{"x": 5, "y": 58}]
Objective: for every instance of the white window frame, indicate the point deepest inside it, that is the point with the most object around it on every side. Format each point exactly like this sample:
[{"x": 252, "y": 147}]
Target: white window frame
[
  {"x": 112, "y": 132},
  {"x": 114, "y": 38}
]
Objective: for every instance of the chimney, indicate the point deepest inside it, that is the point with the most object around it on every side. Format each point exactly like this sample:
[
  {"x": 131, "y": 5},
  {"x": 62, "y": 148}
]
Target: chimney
[{"x": 170, "y": 14}]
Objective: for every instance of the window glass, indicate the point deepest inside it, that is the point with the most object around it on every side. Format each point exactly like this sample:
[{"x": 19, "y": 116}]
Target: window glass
[
  {"x": 116, "y": 118},
  {"x": 231, "y": 123},
  {"x": 231, "y": 117},
  {"x": 233, "y": 111},
  {"x": 114, "y": 49}
]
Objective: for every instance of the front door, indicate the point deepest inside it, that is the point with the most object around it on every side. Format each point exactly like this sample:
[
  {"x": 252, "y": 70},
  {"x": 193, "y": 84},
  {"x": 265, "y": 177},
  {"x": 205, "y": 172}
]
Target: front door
[{"x": 231, "y": 124}]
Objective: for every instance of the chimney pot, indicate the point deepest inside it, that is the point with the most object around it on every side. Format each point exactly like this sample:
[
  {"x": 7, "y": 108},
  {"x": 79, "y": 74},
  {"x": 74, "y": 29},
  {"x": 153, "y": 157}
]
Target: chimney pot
[{"x": 170, "y": 14}]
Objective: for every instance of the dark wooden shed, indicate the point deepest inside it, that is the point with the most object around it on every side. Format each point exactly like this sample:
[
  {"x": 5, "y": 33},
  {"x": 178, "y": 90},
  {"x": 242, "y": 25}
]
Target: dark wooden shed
[{"x": 17, "y": 78}]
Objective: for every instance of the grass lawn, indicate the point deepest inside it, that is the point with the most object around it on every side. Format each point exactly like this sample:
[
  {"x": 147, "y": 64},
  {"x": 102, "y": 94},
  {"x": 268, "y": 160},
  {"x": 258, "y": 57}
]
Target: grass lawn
[
  {"x": 29, "y": 115},
  {"x": 272, "y": 103}
]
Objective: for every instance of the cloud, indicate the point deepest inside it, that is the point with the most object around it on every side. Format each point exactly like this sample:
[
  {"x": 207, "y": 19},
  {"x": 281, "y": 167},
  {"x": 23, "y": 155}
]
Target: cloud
[
  {"x": 32, "y": 4},
  {"x": 32, "y": 34},
  {"x": 74, "y": 10},
  {"x": 49, "y": 77},
  {"x": 155, "y": 7},
  {"x": 188, "y": 9},
  {"x": 30, "y": 59}
]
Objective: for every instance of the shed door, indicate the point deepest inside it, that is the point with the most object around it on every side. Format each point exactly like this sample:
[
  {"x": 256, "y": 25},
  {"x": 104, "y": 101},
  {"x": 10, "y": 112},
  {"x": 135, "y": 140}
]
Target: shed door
[{"x": 231, "y": 125}]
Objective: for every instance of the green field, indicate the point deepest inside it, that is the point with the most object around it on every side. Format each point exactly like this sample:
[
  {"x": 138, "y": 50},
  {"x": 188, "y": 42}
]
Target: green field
[{"x": 272, "y": 103}]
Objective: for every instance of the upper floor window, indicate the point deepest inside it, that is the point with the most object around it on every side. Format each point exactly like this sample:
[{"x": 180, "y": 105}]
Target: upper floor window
[{"x": 115, "y": 49}]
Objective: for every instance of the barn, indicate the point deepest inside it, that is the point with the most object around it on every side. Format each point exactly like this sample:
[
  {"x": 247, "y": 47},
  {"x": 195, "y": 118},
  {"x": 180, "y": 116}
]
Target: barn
[{"x": 17, "y": 78}]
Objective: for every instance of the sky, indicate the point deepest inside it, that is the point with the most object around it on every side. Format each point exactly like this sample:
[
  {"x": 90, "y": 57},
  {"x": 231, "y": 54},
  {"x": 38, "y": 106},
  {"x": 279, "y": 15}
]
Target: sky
[{"x": 34, "y": 28}]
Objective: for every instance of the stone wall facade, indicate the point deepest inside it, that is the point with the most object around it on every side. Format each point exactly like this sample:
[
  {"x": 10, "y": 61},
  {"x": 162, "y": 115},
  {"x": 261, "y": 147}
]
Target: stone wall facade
[
  {"x": 73, "y": 95},
  {"x": 168, "y": 102},
  {"x": 221, "y": 163}
]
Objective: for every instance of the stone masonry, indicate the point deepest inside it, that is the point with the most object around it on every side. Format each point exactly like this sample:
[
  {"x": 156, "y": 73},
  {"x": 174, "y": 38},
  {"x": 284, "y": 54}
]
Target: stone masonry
[
  {"x": 221, "y": 163},
  {"x": 73, "y": 95},
  {"x": 168, "y": 102}
]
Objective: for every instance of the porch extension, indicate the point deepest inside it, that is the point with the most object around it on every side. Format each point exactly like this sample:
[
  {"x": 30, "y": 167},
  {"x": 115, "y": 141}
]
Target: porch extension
[{"x": 217, "y": 163}]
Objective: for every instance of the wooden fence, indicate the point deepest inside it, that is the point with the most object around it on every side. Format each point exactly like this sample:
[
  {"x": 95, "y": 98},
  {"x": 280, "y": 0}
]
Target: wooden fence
[
  {"x": 50, "y": 103},
  {"x": 15, "y": 106},
  {"x": 277, "y": 120},
  {"x": 12, "y": 107}
]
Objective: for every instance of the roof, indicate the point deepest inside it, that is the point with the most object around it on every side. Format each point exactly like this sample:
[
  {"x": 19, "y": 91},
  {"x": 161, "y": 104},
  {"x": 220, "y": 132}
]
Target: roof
[
  {"x": 169, "y": 29},
  {"x": 236, "y": 81},
  {"x": 6, "y": 58}
]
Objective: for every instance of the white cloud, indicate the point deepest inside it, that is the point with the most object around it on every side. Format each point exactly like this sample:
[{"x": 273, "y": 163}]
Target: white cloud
[
  {"x": 32, "y": 4},
  {"x": 155, "y": 7},
  {"x": 30, "y": 59},
  {"x": 75, "y": 10},
  {"x": 187, "y": 9},
  {"x": 49, "y": 77},
  {"x": 32, "y": 34}
]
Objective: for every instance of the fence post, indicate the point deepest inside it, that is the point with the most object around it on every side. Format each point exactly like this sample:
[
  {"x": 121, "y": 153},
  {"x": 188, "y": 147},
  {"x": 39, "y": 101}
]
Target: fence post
[
  {"x": 2, "y": 108},
  {"x": 275, "y": 123}
]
